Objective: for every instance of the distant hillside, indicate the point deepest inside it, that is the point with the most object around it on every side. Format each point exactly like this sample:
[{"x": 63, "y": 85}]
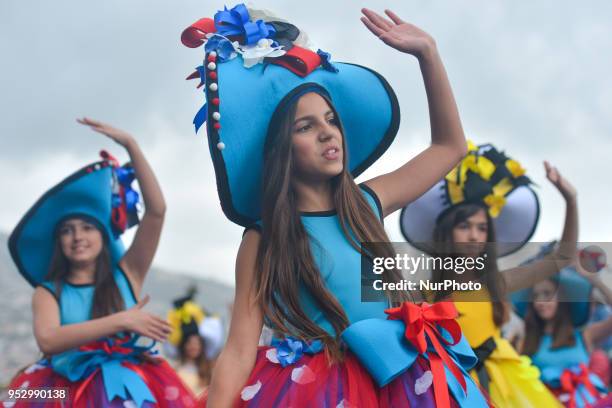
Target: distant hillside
[{"x": 17, "y": 344}]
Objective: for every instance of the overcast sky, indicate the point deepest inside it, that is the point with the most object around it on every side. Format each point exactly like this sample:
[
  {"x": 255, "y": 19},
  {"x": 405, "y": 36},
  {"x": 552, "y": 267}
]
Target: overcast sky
[{"x": 534, "y": 78}]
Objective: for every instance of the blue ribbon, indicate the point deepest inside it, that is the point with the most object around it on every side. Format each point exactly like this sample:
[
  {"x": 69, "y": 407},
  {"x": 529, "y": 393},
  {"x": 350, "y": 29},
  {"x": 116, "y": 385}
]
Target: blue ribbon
[
  {"x": 237, "y": 22},
  {"x": 200, "y": 117},
  {"x": 221, "y": 45},
  {"x": 325, "y": 61},
  {"x": 126, "y": 176},
  {"x": 119, "y": 381},
  {"x": 290, "y": 349},
  {"x": 130, "y": 198}
]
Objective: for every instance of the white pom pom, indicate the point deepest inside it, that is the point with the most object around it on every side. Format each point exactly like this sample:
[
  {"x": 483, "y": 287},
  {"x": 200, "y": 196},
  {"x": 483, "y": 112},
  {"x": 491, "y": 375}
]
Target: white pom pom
[
  {"x": 220, "y": 145},
  {"x": 213, "y": 87},
  {"x": 213, "y": 53},
  {"x": 216, "y": 116},
  {"x": 212, "y": 66}
]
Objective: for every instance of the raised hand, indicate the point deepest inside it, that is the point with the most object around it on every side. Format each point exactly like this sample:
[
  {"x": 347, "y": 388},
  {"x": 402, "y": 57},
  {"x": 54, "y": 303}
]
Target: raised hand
[
  {"x": 146, "y": 324},
  {"x": 397, "y": 33},
  {"x": 565, "y": 187},
  {"x": 121, "y": 137}
]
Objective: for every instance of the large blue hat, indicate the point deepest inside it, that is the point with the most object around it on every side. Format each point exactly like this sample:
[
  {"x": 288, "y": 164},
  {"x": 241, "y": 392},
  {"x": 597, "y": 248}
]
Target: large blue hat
[
  {"x": 576, "y": 289},
  {"x": 242, "y": 101},
  {"x": 486, "y": 177},
  {"x": 99, "y": 192}
]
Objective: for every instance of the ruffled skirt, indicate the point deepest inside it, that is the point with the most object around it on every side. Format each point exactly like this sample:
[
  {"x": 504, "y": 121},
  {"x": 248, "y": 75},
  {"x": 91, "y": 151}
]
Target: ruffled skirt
[
  {"x": 513, "y": 381},
  {"x": 313, "y": 382},
  {"x": 161, "y": 380}
]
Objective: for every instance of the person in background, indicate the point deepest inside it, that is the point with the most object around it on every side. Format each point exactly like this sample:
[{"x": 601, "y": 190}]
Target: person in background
[
  {"x": 88, "y": 313},
  {"x": 559, "y": 341}
]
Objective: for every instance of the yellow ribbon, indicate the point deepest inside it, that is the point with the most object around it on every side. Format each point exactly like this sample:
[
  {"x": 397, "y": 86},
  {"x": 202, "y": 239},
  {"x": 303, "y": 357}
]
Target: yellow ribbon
[
  {"x": 177, "y": 317},
  {"x": 471, "y": 146},
  {"x": 474, "y": 163},
  {"x": 483, "y": 167},
  {"x": 495, "y": 203},
  {"x": 515, "y": 168}
]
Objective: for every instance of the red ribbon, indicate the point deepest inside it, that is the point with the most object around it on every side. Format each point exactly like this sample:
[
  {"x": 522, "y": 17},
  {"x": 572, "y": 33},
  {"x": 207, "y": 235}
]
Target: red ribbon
[
  {"x": 111, "y": 346},
  {"x": 570, "y": 381},
  {"x": 109, "y": 158},
  {"x": 421, "y": 324},
  {"x": 298, "y": 60},
  {"x": 195, "y": 35},
  {"x": 119, "y": 215}
]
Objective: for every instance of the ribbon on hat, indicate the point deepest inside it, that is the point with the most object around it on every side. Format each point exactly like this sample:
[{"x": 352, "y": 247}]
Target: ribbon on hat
[
  {"x": 571, "y": 381},
  {"x": 124, "y": 198},
  {"x": 325, "y": 61},
  {"x": 421, "y": 325},
  {"x": 195, "y": 35},
  {"x": 107, "y": 355},
  {"x": 487, "y": 178},
  {"x": 476, "y": 164},
  {"x": 224, "y": 48},
  {"x": 182, "y": 316},
  {"x": 495, "y": 203},
  {"x": 298, "y": 60},
  {"x": 236, "y": 22},
  {"x": 515, "y": 168}
]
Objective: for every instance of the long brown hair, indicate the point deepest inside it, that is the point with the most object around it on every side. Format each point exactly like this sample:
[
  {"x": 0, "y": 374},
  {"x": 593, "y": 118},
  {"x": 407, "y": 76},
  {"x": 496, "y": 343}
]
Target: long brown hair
[
  {"x": 563, "y": 330},
  {"x": 490, "y": 277},
  {"x": 284, "y": 258},
  {"x": 203, "y": 365},
  {"x": 107, "y": 298}
]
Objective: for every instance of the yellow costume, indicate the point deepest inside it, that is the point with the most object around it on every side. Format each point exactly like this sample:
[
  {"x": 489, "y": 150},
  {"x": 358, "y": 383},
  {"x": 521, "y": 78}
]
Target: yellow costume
[
  {"x": 189, "y": 374},
  {"x": 513, "y": 381}
]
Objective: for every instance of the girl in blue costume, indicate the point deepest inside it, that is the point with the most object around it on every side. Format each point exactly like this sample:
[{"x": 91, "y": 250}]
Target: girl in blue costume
[
  {"x": 560, "y": 346},
  {"x": 287, "y": 138},
  {"x": 88, "y": 322}
]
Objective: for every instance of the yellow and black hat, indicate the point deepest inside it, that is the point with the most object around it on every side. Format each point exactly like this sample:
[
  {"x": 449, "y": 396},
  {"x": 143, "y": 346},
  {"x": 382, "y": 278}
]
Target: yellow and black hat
[{"x": 486, "y": 177}]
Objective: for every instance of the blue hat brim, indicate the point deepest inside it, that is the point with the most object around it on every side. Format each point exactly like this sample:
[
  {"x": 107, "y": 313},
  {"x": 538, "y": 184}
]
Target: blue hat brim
[
  {"x": 365, "y": 102},
  {"x": 577, "y": 290},
  {"x": 85, "y": 193}
]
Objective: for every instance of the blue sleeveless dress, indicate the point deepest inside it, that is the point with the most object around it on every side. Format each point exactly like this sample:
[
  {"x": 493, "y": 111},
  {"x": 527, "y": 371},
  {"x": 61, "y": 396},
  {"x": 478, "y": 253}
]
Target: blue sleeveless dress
[
  {"x": 565, "y": 371},
  {"x": 117, "y": 371},
  {"x": 380, "y": 369}
]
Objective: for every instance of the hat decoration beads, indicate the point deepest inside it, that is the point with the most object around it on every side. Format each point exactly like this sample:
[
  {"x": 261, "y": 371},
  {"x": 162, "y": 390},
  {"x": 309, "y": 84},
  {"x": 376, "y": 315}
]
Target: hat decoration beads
[{"x": 256, "y": 36}]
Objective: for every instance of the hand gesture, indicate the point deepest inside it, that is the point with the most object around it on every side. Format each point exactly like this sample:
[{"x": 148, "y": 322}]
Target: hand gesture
[
  {"x": 397, "y": 33},
  {"x": 565, "y": 188},
  {"x": 146, "y": 324},
  {"x": 118, "y": 135}
]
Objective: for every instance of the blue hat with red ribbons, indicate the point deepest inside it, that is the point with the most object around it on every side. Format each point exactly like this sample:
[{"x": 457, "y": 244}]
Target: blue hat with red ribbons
[
  {"x": 100, "y": 193},
  {"x": 254, "y": 65}
]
